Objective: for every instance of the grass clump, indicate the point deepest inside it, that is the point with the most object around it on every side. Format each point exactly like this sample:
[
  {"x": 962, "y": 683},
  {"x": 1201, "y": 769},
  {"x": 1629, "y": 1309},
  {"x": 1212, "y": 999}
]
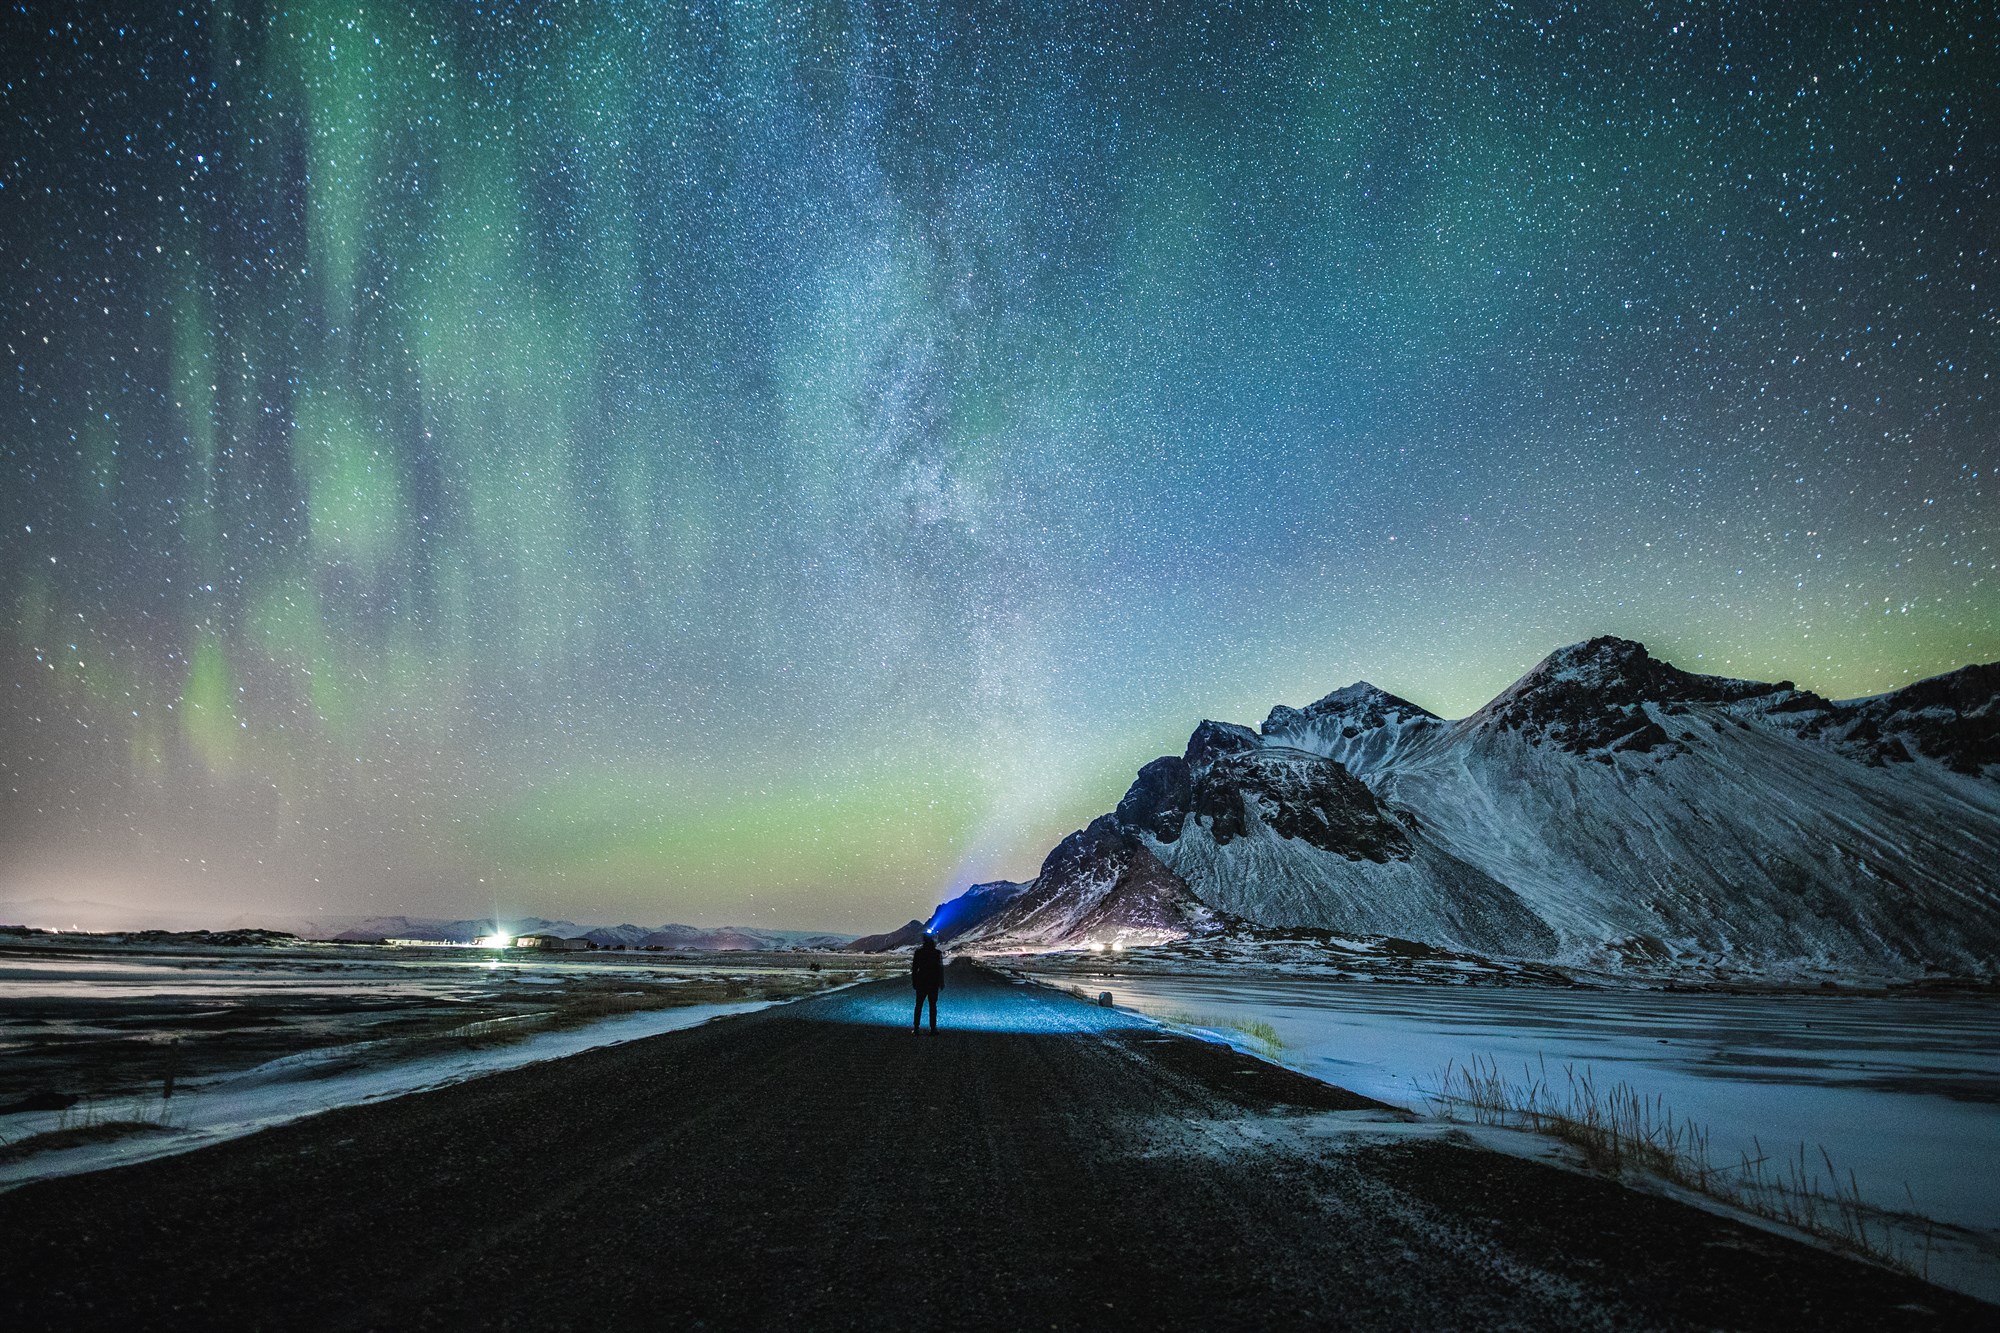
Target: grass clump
[
  {"x": 1617, "y": 1129},
  {"x": 55, "y": 1140},
  {"x": 88, "y": 1122},
  {"x": 1256, "y": 1033}
]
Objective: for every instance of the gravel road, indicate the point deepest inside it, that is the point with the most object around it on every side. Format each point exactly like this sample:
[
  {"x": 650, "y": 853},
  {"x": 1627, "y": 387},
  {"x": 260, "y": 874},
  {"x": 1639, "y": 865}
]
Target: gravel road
[{"x": 1041, "y": 1163}]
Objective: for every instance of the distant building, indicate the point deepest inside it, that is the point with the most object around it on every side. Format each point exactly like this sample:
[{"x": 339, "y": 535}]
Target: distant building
[{"x": 553, "y": 943}]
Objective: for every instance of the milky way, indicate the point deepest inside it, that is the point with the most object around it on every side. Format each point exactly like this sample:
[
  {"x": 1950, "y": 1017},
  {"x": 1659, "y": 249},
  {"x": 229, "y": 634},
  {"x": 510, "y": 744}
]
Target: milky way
[{"x": 777, "y": 463}]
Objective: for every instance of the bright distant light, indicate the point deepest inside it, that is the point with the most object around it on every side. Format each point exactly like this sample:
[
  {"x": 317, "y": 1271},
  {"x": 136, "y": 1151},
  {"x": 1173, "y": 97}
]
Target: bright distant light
[
  {"x": 1118, "y": 946},
  {"x": 1096, "y": 946},
  {"x": 495, "y": 941}
]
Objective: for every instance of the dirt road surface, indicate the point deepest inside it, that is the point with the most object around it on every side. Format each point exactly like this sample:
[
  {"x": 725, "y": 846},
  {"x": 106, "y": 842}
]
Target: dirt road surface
[{"x": 1040, "y": 1163}]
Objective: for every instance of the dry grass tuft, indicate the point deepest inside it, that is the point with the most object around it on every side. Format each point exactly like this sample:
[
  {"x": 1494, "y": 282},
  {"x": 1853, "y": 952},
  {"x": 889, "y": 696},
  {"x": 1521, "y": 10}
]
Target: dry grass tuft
[
  {"x": 1617, "y": 1129},
  {"x": 89, "y": 1122},
  {"x": 1261, "y": 1036},
  {"x": 55, "y": 1140}
]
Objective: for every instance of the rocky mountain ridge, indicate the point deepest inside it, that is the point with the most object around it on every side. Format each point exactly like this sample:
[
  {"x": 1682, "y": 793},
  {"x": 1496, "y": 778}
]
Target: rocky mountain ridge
[{"x": 1608, "y": 809}]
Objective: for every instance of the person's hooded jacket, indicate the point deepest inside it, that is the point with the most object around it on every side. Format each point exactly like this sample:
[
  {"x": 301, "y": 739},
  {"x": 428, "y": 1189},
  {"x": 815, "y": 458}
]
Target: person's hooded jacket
[{"x": 927, "y": 967}]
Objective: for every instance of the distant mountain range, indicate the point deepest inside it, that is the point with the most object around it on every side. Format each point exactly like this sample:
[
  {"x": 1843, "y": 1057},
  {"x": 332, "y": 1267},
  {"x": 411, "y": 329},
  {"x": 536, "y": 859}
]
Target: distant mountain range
[
  {"x": 1607, "y": 810},
  {"x": 64, "y": 914},
  {"x": 696, "y": 938}
]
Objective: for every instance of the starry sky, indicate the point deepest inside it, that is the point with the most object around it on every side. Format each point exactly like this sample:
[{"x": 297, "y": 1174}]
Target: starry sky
[{"x": 777, "y": 463}]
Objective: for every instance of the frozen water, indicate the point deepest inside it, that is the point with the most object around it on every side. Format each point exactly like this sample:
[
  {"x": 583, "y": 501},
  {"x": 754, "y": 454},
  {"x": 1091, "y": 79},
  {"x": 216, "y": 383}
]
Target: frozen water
[{"x": 1897, "y": 1090}]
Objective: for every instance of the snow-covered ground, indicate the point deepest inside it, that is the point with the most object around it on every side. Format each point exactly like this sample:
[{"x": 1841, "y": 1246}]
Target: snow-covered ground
[
  {"x": 1900, "y": 1091},
  {"x": 299, "y": 1085},
  {"x": 255, "y": 1037}
]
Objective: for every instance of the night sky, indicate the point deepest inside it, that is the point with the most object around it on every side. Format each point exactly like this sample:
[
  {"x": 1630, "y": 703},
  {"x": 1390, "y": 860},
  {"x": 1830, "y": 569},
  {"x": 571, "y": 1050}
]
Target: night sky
[{"x": 778, "y": 463}]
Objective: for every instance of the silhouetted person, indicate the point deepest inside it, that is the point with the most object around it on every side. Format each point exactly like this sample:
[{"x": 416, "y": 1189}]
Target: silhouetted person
[{"x": 927, "y": 975}]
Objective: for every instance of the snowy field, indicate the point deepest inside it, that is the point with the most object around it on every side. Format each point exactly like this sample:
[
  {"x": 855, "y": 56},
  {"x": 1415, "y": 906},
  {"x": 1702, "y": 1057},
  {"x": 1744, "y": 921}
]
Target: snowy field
[
  {"x": 1900, "y": 1091},
  {"x": 253, "y": 1037}
]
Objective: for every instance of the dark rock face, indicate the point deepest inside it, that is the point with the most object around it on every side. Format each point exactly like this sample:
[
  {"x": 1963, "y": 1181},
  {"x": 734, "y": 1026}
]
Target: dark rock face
[
  {"x": 1086, "y": 853},
  {"x": 1168, "y": 790},
  {"x": 1214, "y": 739},
  {"x": 1101, "y": 880},
  {"x": 1229, "y": 773},
  {"x": 1969, "y": 692},
  {"x": 1159, "y": 799},
  {"x": 1953, "y": 718},
  {"x": 1591, "y": 697},
  {"x": 1302, "y": 796},
  {"x": 1145, "y": 896}
]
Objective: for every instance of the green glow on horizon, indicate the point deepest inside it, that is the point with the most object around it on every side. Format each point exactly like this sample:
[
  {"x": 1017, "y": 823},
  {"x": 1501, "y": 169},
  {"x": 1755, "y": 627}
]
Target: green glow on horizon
[
  {"x": 890, "y": 829},
  {"x": 651, "y": 456}
]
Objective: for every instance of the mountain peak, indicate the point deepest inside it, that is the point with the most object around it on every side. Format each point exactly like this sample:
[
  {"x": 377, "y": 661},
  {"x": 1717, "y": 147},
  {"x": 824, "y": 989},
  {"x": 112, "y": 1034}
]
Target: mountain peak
[
  {"x": 1359, "y": 706},
  {"x": 1211, "y": 739},
  {"x": 1593, "y": 696},
  {"x": 1360, "y": 692},
  {"x": 1623, "y": 671},
  {"x": 1604, "y": 658}
]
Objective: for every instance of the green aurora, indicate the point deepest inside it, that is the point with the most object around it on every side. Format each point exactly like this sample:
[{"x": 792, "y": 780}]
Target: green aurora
[{"x": 778, "y": 463}]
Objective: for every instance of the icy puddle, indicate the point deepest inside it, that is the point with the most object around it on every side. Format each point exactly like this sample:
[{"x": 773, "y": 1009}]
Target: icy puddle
[
  {"x": 1901, "y": 1092},
  {"x": 118, "y": 1055}
]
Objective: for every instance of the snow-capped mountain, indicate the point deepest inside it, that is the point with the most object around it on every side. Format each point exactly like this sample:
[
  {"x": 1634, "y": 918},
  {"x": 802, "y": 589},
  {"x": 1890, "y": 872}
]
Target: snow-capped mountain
[{"x": 1608, "y": 809}]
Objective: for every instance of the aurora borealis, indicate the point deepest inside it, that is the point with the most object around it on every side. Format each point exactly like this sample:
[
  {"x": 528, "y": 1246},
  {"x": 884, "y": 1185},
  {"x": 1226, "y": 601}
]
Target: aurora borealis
[{"x": 778, "y": 463}]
